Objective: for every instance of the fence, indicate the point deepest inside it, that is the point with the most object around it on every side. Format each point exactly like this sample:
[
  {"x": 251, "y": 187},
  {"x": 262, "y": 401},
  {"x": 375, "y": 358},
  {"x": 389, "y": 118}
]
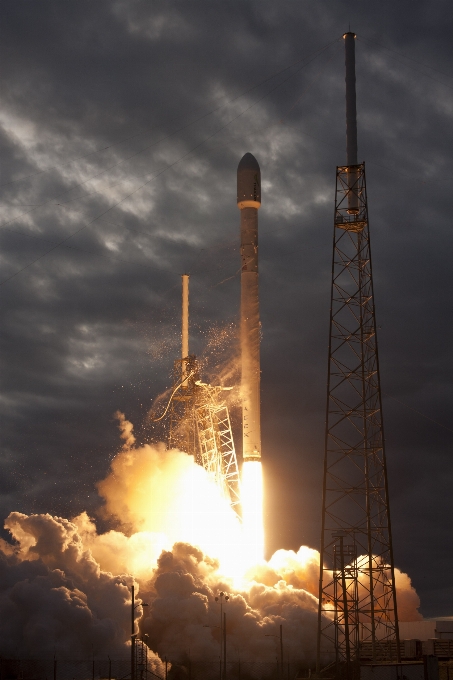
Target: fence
[
  {"x": 445, "y": 670},
  {"x": 120, "y": 669},
  {"x": 240, "y": 670},
  {"x": 428, "y": 668},
  {"x": 56, "y": 669}
]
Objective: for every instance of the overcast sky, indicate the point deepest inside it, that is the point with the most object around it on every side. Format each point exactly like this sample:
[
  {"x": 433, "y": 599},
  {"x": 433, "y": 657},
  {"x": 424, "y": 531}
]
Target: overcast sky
[{"x": 121, "y": 127}]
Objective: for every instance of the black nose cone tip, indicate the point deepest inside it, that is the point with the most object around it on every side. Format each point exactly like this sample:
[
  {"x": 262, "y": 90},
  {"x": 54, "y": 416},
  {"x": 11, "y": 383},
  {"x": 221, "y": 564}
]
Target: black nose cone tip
[
  {"x": 248, "y": 162},
  {"x": 249, "y": 182}
]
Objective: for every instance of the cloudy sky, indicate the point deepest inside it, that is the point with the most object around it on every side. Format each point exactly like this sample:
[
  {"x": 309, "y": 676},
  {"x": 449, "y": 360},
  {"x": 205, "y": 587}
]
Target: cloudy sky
[{"x": 121, "y": 127}]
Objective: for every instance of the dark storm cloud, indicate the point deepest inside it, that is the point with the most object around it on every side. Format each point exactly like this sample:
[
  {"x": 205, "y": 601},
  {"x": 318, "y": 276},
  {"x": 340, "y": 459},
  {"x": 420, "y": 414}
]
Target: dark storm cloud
[{"x": 91, "y": 326}]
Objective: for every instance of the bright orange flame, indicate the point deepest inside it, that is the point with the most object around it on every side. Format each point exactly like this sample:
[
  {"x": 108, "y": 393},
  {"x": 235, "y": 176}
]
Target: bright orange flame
[{"x": 167, "y": 497}]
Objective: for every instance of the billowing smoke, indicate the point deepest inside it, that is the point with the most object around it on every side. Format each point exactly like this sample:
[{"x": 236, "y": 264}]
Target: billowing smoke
[
  {"x": 64, "y": 587},
  {"x": 407, "y": 598},
  {"x": 167, "y": 497},
  {"x": 54, "y": 596},
  {"x": 185, "y": 616}
]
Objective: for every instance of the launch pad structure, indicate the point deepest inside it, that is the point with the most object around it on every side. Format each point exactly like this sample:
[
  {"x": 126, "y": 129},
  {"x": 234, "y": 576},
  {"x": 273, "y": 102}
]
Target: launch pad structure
[
  {"x": 199, "y": 418},
  {"x": 357, "y": 609},
  {"x": 357, "y": 614}
]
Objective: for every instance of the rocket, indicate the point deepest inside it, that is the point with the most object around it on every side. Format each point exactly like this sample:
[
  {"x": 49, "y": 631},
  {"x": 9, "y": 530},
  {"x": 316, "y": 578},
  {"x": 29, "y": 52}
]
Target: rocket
[{"x": 249, "y": 201}]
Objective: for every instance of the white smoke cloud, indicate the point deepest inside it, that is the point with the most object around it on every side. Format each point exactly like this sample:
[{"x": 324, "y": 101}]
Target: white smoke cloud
[
  {"x": 64, "y": 587},
  {"x": 185, "y": 616},
  {"x": 407, "y": 598},
  {"x": 167, "y": 496}
]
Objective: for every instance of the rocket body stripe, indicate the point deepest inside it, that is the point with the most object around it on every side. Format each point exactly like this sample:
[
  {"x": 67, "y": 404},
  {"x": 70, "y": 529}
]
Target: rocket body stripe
[{"x": 249, "y": 200}]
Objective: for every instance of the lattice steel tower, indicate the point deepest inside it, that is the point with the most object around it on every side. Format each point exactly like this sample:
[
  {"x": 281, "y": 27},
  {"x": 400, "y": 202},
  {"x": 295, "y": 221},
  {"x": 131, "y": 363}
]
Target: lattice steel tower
[
  {"x": 357, "y": 615},
  {"x": 199, "y": 420}
]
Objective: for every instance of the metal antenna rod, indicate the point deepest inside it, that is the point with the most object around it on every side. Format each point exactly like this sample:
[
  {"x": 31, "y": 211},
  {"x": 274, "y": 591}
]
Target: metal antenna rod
[
  {"x": 351, "y": 123},
  {"x": 351, "y": 110}
]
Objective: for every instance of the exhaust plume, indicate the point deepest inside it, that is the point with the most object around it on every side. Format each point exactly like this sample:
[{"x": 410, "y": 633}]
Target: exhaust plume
[{"x": 64, "y": 587}]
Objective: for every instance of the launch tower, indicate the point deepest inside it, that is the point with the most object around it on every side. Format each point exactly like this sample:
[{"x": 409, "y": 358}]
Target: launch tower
[
  {"x": 357, "y": 614},
  {"x": 199, "y": 417}
]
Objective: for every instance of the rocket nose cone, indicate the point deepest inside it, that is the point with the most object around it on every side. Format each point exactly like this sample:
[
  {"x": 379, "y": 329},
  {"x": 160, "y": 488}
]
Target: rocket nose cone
[
  {"x": 249, "y": 182},
  {"x": 248, "y": 162}
]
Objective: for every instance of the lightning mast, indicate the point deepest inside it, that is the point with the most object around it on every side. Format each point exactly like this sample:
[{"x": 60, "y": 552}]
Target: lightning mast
[
  {"x": 182, "y": 432},
  {"x": 357, "y": 615}
]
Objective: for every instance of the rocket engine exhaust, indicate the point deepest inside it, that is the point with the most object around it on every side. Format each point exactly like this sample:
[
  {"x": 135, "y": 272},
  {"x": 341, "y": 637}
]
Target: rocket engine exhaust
[{"x": 249, "y": 201}]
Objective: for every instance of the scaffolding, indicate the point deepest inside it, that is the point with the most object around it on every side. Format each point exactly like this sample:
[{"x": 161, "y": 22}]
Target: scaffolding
[
  {"x": 141, "y": 660},
  {"x": 199, "y": 419},
  {"x": 357, "y": 580},
  {"x": 200, "y": 425},
  {"x": 216, "y": 445},
  {"x": 357, "y": 599}
]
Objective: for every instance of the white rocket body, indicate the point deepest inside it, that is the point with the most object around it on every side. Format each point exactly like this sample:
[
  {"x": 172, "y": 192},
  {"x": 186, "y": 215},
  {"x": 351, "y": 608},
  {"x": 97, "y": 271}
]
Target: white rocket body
[{"x": 249, "y": 201}]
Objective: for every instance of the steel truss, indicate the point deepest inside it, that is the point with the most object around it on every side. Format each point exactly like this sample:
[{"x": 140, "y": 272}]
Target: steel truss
[
  {"x": 141, "y": 660},
  {"x": 200, "y": 425},
  {"x": 357, "y": 602},
  {"x": 218, "y": 455}
]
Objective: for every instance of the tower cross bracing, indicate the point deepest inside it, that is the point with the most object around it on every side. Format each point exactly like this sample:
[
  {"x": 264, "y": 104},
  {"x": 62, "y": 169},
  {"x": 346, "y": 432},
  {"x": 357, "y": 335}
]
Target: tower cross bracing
[
  {"x": 199, "y": 420},
  {"x": 357, "y": 602},
  {"x": 200, "y": 425},
  {"x": 217, "y": 452}
]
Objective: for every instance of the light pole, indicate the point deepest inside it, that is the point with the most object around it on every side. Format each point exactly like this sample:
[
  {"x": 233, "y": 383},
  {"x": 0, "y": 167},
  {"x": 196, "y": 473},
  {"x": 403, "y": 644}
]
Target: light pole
[
  {"x": 280, "y": 637},
  {"x": 220, "y": 599},
  {"x": 133, "y": 633},
  {"x": 224, "y": 645}
]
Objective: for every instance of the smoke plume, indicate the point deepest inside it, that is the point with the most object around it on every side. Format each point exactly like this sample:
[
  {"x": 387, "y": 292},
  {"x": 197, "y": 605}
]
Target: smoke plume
[{"x": 64, "y": 587}]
